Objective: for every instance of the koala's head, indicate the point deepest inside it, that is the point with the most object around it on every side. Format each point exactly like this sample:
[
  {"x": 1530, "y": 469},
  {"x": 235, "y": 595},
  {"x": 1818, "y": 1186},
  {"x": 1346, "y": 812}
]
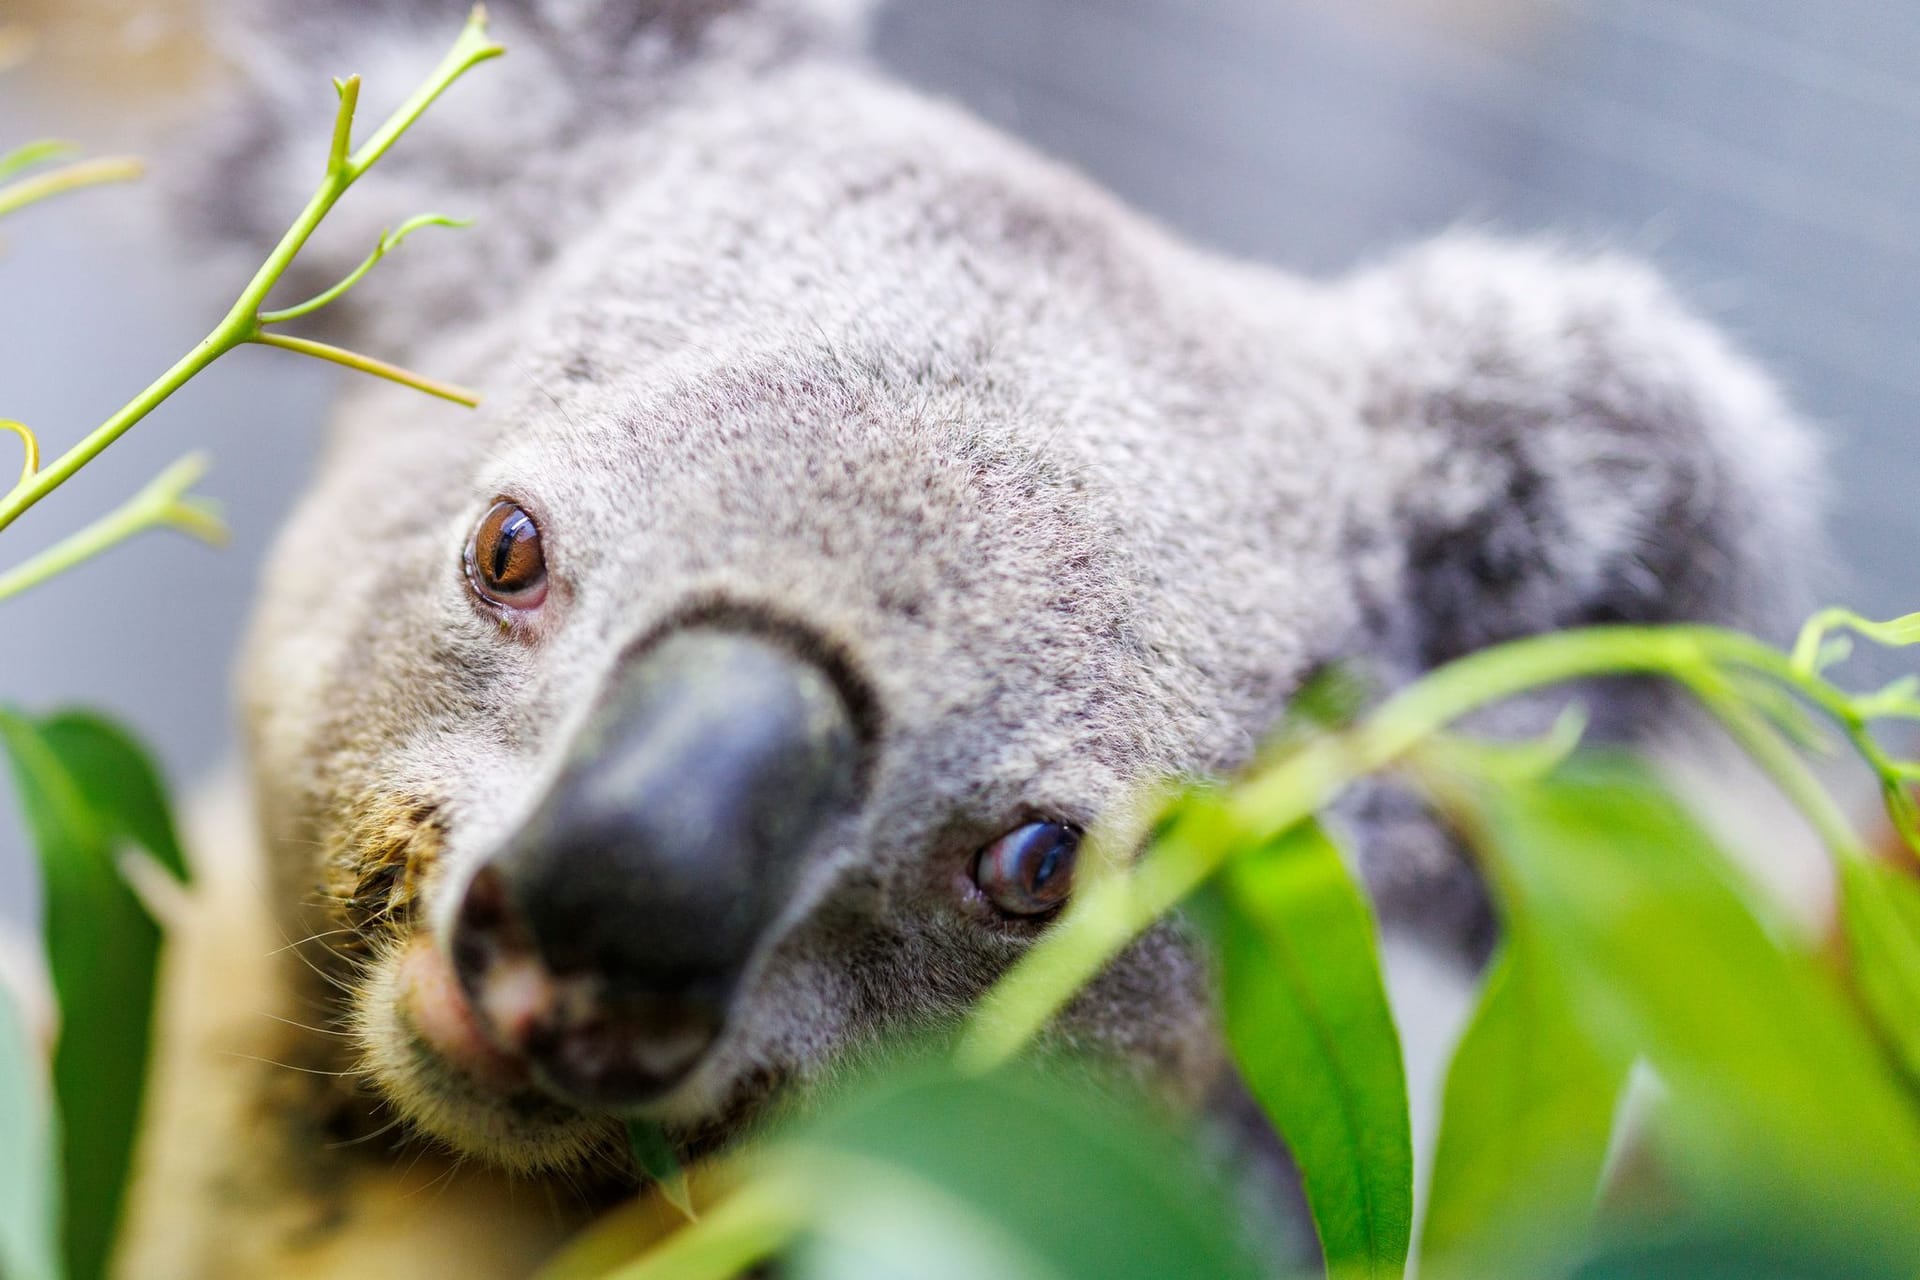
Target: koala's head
[{"x": 862, "y": 509}]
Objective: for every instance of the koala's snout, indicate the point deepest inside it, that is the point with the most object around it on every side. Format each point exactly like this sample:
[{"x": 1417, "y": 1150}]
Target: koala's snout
[{"x": 606, "y": 940}]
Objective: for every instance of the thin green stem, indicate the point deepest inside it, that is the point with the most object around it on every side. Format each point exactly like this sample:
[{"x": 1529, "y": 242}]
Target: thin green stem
[
  {"x": 470, "y": 50},
  {"x": 349, "y": 91},
  {"x": 88, "y": 173},
  {"x": 389, "y": 241},
  {"x": 163, "y": 503},
  {"x": 367, "y": 364},
  {"x": 1810, "y": 645},
  {"x": 29, "y": 448},
  {"x": 1772, "y": 753}
]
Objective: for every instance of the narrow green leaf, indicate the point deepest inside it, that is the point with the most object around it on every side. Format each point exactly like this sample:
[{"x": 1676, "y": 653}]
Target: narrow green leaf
[
  {"x": 103, "y": 951},
  {"x": 1524, "y": 1127},
  {"x": 119, "y": 782},
  {"x": 29, "y": 1178},
  {"x": 1778, "y": 1096},
  {"x": 1880, "y": 910},
  {"x": 1309, "y": 1023},
  {"x": 654, "y": 1156}
]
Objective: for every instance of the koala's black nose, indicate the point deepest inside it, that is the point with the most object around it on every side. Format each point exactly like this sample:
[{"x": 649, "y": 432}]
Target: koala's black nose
[{"x": 606, "y": 940}]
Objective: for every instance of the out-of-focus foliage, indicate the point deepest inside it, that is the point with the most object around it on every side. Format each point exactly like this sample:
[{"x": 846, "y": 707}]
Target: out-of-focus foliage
[
  {"x": 1778, "y": 1125},
  {"x": 90, "y": 795}
]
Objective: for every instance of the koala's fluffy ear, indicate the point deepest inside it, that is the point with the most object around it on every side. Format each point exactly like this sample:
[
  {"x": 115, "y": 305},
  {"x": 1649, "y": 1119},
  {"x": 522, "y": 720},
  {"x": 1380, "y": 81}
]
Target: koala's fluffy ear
[{"x": 1558, "y": 442}]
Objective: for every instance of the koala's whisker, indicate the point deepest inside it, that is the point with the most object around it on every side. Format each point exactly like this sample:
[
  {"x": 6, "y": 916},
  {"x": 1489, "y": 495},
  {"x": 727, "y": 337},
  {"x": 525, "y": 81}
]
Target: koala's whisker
[
  {"x": 333, "y": 980},
  {"x": 314, "y": 937},
  {"x": 352, "y": 1072},
  {"x": 319, "y": 1031},
  {"x": 441, "y": 1180},
  {"x": 384, "y": 1129}
]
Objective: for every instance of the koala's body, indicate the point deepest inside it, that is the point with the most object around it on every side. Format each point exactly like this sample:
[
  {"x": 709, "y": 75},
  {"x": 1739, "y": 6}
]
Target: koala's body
[{"x": 848, "y": 467}]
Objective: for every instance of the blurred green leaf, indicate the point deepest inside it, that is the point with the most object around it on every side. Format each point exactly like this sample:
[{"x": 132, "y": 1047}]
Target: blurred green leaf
[
  {"x": 1012, "y": 1171},
  {"x": 1524, "y": 1127},
  {"x": 1778, "y": 1095},
  {"x": 119, "y": 782},
  {"x": 1880, "y": 909},
  {"x": 29, "y": 1181},
  {"x": 655, "y": 1158},
  {"x": 84, "y": 789},
  {"x": 1310, "y": 1027}
]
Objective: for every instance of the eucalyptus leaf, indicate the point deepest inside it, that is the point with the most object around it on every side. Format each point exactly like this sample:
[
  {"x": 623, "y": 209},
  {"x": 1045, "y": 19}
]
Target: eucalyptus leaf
[
  {"x": 1524, "y": 1127},
  {"x": 84, "y": 789},
  {"x": 119, "y": 782},
  {"x": 1778, "y": 1095},
  {"x": 1310, "y": 1027},
  {"x": 1014, "y": 1170},
  {"x": 655, "y": 1158},
  {"x": 29, "y": 1182},
  {"x": 1880, "y": 910}
]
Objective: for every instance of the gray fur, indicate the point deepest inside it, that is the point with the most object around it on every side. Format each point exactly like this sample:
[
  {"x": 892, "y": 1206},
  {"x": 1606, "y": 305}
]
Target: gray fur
[{"x": 760, "y": 329}]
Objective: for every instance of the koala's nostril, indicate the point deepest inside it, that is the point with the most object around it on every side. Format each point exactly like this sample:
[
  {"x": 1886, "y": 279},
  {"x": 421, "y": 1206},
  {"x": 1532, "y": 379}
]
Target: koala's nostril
[{"x": 585, "y": 1041}]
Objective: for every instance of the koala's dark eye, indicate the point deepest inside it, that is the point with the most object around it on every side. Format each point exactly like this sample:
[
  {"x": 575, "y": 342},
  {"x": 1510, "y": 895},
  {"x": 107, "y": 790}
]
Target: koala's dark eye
[
  {"x": 1028, "y": 871},
  {"x": 504, "y": 561}
]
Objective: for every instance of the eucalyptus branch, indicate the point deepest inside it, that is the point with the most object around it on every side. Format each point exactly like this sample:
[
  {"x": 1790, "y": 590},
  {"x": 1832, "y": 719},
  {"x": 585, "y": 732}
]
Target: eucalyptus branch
[
  {"x": 73, "y": 177},
  {"x": 243, "y": 323},
  {"x": 1810, "y": 651},
  {"x": 164, "y": 503},
  {"x": 1718, "y": 666}
]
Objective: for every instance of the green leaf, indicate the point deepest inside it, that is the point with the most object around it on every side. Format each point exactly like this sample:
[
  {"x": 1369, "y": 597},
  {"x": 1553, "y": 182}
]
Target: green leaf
[
  {"x": 84, "y": 789},
  {"x": 1880, "y": 910},
  {"x": 1777, "y": 1094},
  {"x": 29, "y": 1178},
  {"x": 1309, "y": 1023},
  {"x": 119, "y": 782},
  {"x": 1524, "y": 1126},
  {"x": 656, "y": 1160},
  {"x": 1010, "y": 1176}
]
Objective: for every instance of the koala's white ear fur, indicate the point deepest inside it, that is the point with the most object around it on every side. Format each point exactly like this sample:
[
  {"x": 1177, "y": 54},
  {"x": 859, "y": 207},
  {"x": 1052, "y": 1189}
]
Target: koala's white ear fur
[{"x": 1560, "y": 441}]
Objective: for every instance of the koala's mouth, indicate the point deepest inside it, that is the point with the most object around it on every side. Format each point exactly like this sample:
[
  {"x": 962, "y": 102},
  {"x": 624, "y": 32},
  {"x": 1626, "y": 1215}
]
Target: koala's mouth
[{"x": 433, "y": 1060}]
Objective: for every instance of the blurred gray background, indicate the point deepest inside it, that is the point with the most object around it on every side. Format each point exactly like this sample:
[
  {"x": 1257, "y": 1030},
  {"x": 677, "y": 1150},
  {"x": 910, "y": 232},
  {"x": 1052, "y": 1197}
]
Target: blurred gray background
[{"x": 1765, "y": 152}]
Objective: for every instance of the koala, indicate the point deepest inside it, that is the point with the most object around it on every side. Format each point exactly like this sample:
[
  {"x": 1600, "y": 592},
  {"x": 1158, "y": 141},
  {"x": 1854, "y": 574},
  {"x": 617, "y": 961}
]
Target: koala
[{"x": 862, "y": 507}]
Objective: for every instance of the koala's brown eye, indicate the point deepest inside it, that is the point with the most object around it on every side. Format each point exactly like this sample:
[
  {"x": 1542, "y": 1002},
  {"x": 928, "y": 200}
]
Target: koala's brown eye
[
  {"x": 1029, "y": 871},
  {"x": 504, "y": 561}
]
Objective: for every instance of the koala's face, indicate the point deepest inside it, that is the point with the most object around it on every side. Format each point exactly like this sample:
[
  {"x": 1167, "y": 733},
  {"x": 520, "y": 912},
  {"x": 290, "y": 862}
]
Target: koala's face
[{"x": 654, "y": 753}]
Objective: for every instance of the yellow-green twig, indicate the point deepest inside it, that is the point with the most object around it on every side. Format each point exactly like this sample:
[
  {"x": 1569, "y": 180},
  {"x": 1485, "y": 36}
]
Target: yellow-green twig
[
  {"x": 29, "y": 448},
  {"x": 87, "y": 173},
  {"x": 163, "y": 503},
  {"x": 367, "y": 364}
]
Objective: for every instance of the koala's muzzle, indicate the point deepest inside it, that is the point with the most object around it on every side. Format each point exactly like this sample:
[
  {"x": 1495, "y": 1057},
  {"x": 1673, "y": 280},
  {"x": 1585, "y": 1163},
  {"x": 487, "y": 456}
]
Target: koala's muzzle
[{"x": 605, "y": 942}]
